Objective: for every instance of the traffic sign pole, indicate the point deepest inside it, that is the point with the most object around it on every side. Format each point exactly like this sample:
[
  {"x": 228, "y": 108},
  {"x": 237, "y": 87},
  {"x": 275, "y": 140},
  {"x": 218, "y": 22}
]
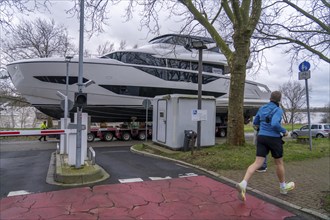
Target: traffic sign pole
[
  {"x": 146, "y": 104},
  {"x": 308, "y": 116},
  {"x": 306, "y": 74}
]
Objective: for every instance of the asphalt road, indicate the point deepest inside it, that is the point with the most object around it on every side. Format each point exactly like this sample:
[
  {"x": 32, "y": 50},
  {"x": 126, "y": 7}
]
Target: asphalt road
[
  {"x": 24, "y": 170},
  {"x": 24, "y": 165}
]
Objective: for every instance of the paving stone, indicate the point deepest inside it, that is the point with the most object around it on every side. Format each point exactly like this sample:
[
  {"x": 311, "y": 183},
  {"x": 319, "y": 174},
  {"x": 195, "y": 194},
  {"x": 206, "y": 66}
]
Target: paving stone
[{"x": 196, "y": 197}]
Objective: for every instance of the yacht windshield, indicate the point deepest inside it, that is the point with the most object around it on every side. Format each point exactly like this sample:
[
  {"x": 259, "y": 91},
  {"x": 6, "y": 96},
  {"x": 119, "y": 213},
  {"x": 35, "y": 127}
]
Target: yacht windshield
[
  {"x": 140, "y": 58},
  {"x": 180, "y": 39}
]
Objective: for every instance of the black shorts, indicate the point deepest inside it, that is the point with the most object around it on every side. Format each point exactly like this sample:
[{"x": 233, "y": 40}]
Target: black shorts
[{"x": 272, "y": 144}]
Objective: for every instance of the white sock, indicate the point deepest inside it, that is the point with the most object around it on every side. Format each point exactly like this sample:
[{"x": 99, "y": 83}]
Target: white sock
[
  {"x": 283, "y": 185},
  {"x": 243, "y": 183}
]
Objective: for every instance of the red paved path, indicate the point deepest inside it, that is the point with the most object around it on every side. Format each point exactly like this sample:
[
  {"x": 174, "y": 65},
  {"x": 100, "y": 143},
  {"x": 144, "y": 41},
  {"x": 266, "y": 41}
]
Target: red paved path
[{"x": 183, "y": 198}]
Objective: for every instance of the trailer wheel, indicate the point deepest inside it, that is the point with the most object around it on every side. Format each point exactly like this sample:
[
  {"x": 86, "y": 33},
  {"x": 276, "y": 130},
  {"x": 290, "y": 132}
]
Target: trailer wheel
[
  {"x": 142, "y": 136},
  {"x": 108, "y": 136},
  {"x": 223, "y": 133},
  {"x": 90, "y": 137},
  {"x": 126, "y": 136}
]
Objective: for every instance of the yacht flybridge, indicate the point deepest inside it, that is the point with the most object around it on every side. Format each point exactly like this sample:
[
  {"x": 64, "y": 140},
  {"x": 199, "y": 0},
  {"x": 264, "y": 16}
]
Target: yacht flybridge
[{"x": 123, "y": 79}]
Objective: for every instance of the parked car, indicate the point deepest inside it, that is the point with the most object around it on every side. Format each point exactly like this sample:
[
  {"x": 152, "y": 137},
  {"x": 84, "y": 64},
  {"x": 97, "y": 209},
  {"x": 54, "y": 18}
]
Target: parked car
[{"x": 317, "y": 130}]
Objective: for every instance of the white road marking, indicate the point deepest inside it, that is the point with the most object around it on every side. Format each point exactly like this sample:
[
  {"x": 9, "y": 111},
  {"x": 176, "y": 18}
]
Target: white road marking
[
  {"x": 187, "y": 175},
  {"x": 130, "y": 180},
  {"x": 133, "y": 180},
  {"x": 181, "y": 165},
  {"x": 160, "y": 178},
  {"x": 18, "y": 193}
]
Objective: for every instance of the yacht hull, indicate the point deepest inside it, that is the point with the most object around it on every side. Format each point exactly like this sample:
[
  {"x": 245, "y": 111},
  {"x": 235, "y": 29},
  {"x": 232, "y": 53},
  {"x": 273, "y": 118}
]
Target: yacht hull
[{"x": 119, "y": 88}]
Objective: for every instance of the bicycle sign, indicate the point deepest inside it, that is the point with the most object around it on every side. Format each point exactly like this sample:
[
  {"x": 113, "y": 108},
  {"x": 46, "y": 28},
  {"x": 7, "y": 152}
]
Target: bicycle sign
[
  {"x": 304, "y": 66},
  {"x": 304, "y": 73}
]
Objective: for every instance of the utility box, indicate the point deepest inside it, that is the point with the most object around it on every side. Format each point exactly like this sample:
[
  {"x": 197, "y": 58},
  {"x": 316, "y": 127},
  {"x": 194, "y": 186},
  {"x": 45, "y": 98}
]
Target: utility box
[{"x": 175, "y": 113}]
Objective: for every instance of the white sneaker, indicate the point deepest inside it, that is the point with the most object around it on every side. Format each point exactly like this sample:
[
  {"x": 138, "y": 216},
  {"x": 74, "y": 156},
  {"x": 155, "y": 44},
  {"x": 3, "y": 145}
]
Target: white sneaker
[
  {"x": 241, "y": 192},
  {"x": 288, "y": 187}
]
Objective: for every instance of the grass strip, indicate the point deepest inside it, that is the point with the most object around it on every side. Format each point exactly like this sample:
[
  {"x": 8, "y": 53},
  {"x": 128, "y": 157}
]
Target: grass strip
[{"x": 225, "y": 157}]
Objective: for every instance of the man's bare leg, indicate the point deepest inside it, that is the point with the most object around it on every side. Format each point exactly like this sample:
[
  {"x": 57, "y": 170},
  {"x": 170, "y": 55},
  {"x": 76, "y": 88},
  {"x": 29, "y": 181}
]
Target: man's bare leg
[
  {"x": 259, "y": 161},
  {"x": 280, "y": 171},
  {"x": 241, "y": 187}
]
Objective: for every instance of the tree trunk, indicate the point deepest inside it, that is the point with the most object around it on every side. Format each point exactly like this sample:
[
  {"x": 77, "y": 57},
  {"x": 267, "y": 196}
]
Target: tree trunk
[
  {"x": 237, "y": 65},
  {"x": 12, "y": 117},
  {"x": 49, "y": 122},
  {"x": 235, "y": 108}
]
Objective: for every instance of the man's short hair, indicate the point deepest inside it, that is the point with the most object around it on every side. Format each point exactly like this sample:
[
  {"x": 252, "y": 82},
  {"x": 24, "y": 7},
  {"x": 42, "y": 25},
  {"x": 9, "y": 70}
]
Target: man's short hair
[{"x": 275, "y": 96}]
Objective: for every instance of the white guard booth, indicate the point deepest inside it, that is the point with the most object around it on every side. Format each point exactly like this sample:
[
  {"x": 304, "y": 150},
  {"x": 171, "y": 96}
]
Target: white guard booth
[{"x": 173, "y": 114}]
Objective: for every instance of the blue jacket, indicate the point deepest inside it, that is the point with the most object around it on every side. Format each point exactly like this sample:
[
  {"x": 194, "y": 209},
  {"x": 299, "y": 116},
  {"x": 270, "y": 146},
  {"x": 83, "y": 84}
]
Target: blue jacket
[{"x": 274, "y": 128}]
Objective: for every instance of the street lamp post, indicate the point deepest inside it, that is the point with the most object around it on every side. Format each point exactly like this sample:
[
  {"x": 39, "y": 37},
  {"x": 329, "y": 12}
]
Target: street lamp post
[
  {"x": 66, "y": 100},
  {"x": 66, "y": 106},
  {"x": 80, "y": 83},
  {"x": 200, "y": 46}
]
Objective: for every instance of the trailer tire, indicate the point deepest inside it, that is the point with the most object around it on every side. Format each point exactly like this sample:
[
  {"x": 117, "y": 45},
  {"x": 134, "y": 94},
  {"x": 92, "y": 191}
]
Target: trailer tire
[
  {"x": 223, "y": 133},
  {"x": 108, "y": 136},
  {"x": 142, "y": 136},
  {"x": 90, "y": 137},
  {"x": 126, "y": 136}
]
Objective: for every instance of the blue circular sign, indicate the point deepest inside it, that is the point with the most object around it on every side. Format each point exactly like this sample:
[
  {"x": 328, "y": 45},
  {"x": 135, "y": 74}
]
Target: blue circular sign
[{"x": 304, "y": 66}]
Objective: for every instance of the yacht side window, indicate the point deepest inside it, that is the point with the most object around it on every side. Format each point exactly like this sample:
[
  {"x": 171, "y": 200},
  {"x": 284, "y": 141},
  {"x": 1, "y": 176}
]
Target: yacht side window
[{"x": 217, "y": 71}]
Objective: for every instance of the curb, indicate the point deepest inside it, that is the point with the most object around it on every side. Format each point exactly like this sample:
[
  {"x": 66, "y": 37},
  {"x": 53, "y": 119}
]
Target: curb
[
  {"x": 55, "y": 176},
  {"x": 225, "y": 179}
]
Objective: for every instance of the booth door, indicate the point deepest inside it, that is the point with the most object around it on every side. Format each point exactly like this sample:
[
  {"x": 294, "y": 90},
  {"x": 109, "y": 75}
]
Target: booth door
[{"x": 161, "y": 119}]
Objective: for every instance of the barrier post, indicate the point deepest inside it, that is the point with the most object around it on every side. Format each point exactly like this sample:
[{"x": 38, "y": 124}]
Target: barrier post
[
  {"x": 84, "y": 122},
  {"x": 72, "y": 143},
  {"x": 63, "y": 138}
]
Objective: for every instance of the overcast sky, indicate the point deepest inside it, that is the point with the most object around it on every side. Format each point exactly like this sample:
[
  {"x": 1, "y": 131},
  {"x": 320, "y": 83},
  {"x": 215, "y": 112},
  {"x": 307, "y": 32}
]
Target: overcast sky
[{"x": 278, "y": 64}]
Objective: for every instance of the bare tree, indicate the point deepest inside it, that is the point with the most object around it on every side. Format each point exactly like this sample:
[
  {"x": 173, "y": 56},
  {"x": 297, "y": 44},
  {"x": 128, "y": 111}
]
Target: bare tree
[
  {"x": 87, "y": 53},
  {"x": 9, "y": 94},
  {"x": 122, "y": 45},
  {"x": 30, "y": 39},
  {"x": 105, "y": 48},
  {"x": 293, "y": 101},
  {"x": 13, "y": 105},
  {"x": 38, "y": 38},
  {"x": 10, "y": 8},
  {"x": 302, "y": 25},
  {"x": 326, "y": 116}
]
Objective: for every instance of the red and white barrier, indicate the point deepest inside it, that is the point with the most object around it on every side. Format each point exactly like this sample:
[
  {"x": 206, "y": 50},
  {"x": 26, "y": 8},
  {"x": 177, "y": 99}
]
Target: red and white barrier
[
  {"x": 67, "y": 140},
  {"x": 34, "y": 132}
]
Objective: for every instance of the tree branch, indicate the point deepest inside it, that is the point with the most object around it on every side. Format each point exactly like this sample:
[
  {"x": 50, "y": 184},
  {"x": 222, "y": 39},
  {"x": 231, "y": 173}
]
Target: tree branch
[
  {"x": 203, "y": 21},
  {"x": 217, "y": 15},
  {"x": 324, "y": 26},
  {"x": 304, "y": 45},
  {"x": 228, "y": 11}
]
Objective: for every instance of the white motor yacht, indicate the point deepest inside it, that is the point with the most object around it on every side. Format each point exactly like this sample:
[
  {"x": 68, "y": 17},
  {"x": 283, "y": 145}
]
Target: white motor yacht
[{"x": 123, "y": 79}]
